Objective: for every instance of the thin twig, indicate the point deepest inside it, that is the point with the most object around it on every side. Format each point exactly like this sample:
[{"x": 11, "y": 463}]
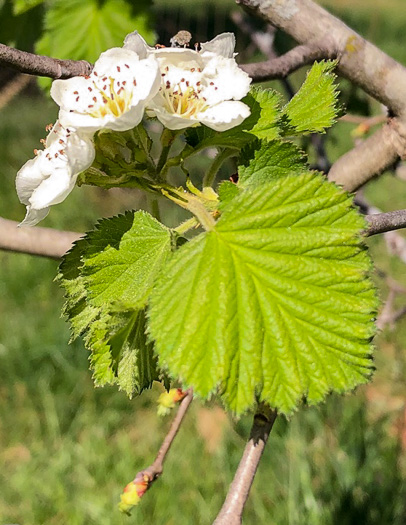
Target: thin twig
[
  {"x": 45, "y": 242},
  {"x": 42, "y": 66},
  {"x": 284, "y": 65},
  {"x": 153, "y": 472},
  {"x": 231, "y": 512},
  {"x": 385, "y": 222}
]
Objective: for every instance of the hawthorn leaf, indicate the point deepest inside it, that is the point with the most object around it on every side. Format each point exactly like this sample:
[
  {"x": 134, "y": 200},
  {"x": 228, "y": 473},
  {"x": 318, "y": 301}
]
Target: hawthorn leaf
[
  {"x": 314, "y": 107},
  {"x": 274, "y": 304},
  {"x": 107, "y": 277},
  {"x": 263, "y": 161}
]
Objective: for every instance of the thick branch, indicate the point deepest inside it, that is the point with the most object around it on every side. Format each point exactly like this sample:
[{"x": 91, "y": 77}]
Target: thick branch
[
  {"x": 41, "y": 65},
  {"x": 386, "y": 222},
  {"x": 361, "y": 62},
  {"x": 231, "y": 512},
  {"x": 370, "y": 158},
  {"x": 284, "y": 65},
  {"x": 44, "y": 242}
]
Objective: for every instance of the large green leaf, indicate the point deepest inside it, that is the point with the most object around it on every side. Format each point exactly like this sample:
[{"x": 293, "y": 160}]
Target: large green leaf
[
  {"x": 83, "y": 29},
  {"x": 107, "y": 277},
  {"x": 274, "y": 303},
  {"x": 314, "y": 107}
]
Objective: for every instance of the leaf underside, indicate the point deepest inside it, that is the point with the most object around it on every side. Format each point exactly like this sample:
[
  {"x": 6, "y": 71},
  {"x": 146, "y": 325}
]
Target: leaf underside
[{"x": 108, "y": 276}]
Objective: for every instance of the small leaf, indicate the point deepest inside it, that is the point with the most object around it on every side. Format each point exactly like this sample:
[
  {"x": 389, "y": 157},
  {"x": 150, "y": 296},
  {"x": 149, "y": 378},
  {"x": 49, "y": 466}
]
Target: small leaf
[
  {"x": 314, "y": 107},
  {"x": 227, "y": 191},
  {"x": 262, "y": 161},
  {"x": 274, "y": 304},
  {"x": 108, "y": 276}
]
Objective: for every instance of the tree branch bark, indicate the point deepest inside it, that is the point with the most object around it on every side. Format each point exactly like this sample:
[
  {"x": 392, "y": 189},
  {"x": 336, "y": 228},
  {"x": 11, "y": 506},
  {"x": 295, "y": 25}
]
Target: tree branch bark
[
  {"x": 385, "y": 222},
  {"x": 42, "y": 66},
  {"x": 44, "y": 242},
  {"x": 284, "y": 65},
  {"x": 362, "y": 63},
  {"x": 231, "y": 512}
]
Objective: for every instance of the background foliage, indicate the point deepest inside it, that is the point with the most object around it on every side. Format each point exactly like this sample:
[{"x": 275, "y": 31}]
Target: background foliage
[{"x": 66, "y": 449}]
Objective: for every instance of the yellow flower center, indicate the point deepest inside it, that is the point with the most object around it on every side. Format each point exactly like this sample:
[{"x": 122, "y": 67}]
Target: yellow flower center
[
  {"x": 114, "y": 101},
  {"x": 186, "y": 103}
]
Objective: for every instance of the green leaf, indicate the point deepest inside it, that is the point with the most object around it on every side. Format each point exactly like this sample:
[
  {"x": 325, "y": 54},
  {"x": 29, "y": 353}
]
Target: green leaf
[
  {"x": 121, "y": 353},
  {"x": 262, "y": 123},
  {"x": 21, "y": 6},
  {"x": 227, "y": 191},
  {"x": 263, "y": 161},
  {"x": 314, "y": 107},
  {"x": 274, "y": 304},
  {"x": 83, "y": 29},
  {"x": 23, "y": 30},
  {"x": 108, "y": 276}
]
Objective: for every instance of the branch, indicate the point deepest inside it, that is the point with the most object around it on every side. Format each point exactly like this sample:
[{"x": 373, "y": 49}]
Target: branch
[
  {"x": 231, "y": 512},
  {"x": 144, "y": 478},
  {"x": 44, "y": 242},
  {"x": 385, "y": 222},
  {"x": 284, "y": 65},
  {"x": 41, "y": 65},
  {"x": 363, "y": 64}
]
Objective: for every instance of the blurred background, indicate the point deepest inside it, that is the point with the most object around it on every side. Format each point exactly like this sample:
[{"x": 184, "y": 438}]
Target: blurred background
[{"x": 67, "y": 449}]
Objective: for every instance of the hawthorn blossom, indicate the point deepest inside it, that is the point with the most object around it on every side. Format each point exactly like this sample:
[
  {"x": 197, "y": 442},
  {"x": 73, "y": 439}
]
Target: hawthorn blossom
[
  {"x": 112, "y": 97},
  {"x": 197, "y": 87},
  {"x": 48, "y": 178}
]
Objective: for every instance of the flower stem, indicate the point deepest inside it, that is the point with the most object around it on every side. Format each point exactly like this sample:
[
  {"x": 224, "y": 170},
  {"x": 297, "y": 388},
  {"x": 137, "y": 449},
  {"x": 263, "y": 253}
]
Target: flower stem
[
  {"x": 221, "y": 157},
  {"x": 186, "y": 225}
]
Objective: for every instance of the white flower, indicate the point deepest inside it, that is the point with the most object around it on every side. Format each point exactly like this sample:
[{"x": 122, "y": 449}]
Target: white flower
[
  {"x": 112, "y": 97},
  {"x": 197, "y": 87},
  {"x": 48, "y": 178}
]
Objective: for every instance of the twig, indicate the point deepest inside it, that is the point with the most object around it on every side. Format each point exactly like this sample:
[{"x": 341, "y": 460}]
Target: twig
[
  {"x": 42, "y": 66},
  {"x": 153, "y": 472},
  {"x": 231, "y": 512},
  {"x": 12, "y": 88},
  {"x": 385, "y": 222},
  {"x": 44, "y": 242},
  {"x": 284, "y": 65}
]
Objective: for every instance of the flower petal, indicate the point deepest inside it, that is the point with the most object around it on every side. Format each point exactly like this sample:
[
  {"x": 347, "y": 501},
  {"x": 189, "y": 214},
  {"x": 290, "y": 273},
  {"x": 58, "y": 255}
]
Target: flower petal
[
  {"x": 225, "y": 80},
  {"x": 222, "y": 44},
  {"x": 172, "y": 120},
  {"x": 135, "y": 42},
  {"x": 51, "y": 175},
  {"x": 225, "y": 115},
  {"x": 33, "y": 217},
  {"x": 106, "y": 99}
]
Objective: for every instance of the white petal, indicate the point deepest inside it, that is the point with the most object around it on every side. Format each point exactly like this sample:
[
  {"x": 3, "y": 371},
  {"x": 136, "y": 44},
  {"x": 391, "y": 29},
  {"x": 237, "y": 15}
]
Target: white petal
[
  {"x": 28, "y": 178},
  {"x": 108, "y": 61},
  {"x": 50, "y": 177},
  {"x": 136, "y": 43},
  {"x": 119, "y": 82},
  {"x": 33, "y": 217},
  {"x": 53, "y": 190},
  {"x": 223, "y": 45},
  {"x": 172, "y": 120},
  {"x": 232, "y": 83},
  {"x": 225, "y": 115}
]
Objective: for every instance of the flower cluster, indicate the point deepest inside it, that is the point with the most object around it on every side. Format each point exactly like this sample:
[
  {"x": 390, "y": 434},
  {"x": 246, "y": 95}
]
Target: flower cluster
[{"x": 179, "y": 86}]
